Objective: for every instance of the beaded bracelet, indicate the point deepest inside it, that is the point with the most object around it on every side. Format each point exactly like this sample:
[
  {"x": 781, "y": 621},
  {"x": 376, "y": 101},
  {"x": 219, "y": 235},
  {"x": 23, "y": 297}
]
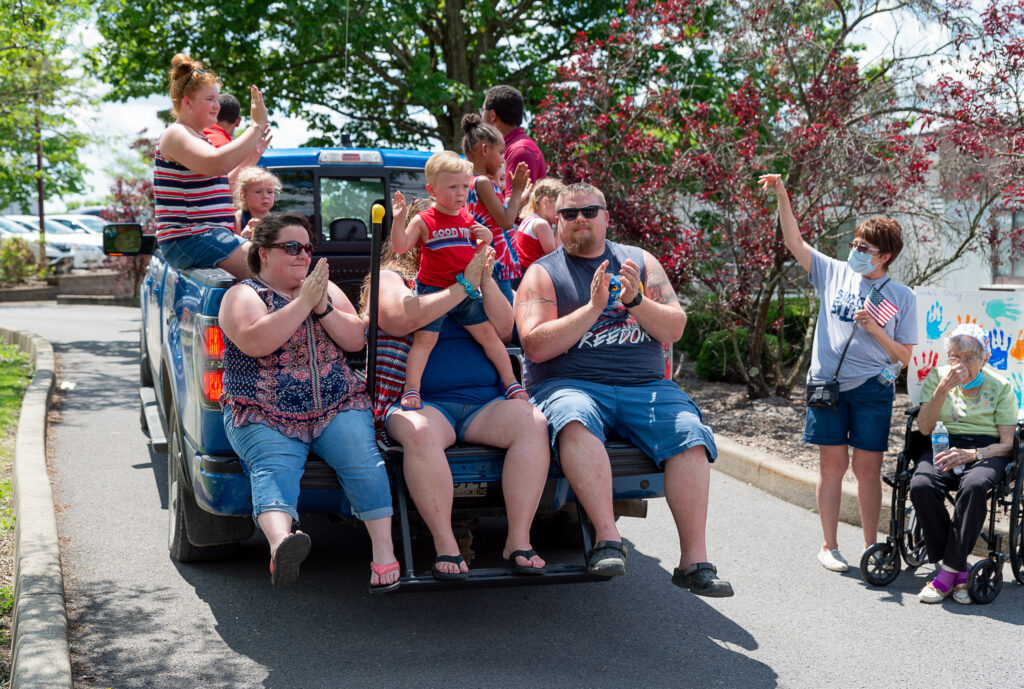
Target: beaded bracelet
[{"x": 471, "y": 292}]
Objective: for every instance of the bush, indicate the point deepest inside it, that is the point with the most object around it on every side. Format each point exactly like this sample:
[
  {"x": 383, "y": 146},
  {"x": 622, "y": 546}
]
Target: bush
[
  {"x": 698, "y": 325},
  {"x": 17, "y": 262},
  {"x": 794, "y": 319},
  {"x": 717, "y": 358}
]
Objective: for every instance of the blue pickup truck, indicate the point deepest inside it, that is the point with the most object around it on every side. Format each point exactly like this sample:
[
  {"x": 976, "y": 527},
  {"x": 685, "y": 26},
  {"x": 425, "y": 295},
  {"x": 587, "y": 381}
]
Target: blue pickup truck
[{"x": 181, "y": 348}]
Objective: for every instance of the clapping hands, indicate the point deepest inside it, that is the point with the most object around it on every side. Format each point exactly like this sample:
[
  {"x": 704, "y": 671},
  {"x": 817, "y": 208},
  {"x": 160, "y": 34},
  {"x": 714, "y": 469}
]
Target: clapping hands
[{"x": 313, "y": 292}]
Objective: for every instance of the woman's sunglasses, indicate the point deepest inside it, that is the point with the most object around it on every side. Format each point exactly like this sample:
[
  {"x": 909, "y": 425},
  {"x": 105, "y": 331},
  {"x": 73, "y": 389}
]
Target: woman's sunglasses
[
  {"x": 589, "y": 212},
  {"x": 293, "y": 248},
  {"x": 863, "y": 248}
]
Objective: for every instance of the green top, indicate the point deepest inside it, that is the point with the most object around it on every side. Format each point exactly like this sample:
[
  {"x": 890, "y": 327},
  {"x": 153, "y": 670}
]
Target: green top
[{"x": 996, "y": 405}]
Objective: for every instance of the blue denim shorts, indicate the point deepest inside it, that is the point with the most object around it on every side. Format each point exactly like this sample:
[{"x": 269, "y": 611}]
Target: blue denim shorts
[
  {"x": 201, "y": 250},
  {"x": 468, "y": 312},
  {"x": 459, "y": 414},
  {"x": 860, "y": 420},
  {"x": 657, "y": 417},
  {"x": 274, "y": 464}
]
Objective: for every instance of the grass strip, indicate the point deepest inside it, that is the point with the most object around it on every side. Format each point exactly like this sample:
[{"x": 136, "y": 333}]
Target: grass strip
[{"x": 15, "y": 376}]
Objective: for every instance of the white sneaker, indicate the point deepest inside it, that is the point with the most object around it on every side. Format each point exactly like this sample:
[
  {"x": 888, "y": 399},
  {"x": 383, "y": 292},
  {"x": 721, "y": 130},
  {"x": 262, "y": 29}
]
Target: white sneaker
[
  {"x": 832, "y": 560},
  {"x": 960, "y": 594},
  {"x": 930, "y": 594}
]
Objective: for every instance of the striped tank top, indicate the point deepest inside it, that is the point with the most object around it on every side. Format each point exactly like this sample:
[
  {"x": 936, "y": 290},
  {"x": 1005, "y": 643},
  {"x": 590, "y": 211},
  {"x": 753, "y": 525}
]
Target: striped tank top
[{"x": 188, "y": 203}]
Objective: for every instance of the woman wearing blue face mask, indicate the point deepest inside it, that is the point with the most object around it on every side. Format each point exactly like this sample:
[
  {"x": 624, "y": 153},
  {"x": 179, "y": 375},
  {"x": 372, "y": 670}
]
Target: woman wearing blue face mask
[
  {"x": 866, "y": 329},
  {"x": 979, "y": 409}
]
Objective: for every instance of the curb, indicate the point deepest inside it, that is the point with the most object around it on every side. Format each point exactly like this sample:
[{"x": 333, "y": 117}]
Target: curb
[
  {"x": 18, "y": 294},
  {"x": 797, "y": 485},
  {"x": 98, "y": 299},
  {"x": 40, "y": 655}
]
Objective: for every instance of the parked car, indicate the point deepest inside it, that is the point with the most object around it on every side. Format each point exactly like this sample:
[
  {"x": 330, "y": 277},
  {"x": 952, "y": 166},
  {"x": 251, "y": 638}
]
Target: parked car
[
  {"x": 87, "y": 247},
  {"x": 94, "y": 211},
  {"x": 58, "y": 254},
  {"x": 90, "y": 224}
]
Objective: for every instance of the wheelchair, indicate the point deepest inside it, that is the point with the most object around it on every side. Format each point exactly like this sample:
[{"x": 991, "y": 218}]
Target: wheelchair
[{"x": 881, "y": 563}]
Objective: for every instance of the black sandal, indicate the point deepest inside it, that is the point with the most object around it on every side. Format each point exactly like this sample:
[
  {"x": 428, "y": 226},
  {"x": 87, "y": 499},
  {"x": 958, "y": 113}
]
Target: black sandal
[
  {"x": 702, "y": 579},
  {"x": 525, "y": 569},
  {"x": 449, "y": 576},
  {"x": 284, "y": 565},
  {"x": 607, "y": 559}
]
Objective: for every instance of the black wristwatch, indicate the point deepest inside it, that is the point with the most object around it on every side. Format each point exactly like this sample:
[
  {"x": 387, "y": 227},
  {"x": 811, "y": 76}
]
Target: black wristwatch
[
  {"x": 636, "y": 300},
  {"x": 318, "y": 316}
]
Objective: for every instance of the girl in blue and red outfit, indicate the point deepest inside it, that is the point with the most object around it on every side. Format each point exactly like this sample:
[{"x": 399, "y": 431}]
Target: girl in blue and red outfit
[{"x": 484, "y": 146}]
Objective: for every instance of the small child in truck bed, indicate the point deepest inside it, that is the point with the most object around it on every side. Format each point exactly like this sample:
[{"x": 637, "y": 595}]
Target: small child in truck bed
[{"x": 448, "y": 237}]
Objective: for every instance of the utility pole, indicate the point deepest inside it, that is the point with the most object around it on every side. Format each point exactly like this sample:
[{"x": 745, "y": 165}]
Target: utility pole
[{"x": 40, "y": 188}]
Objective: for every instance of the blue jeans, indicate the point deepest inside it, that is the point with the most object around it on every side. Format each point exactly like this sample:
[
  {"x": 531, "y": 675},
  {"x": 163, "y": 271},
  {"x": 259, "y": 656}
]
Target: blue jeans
[
  {"x": 657, "y": 417},
  {"x": 860, "y": 420},
  {"x": 274, "y": 463},
  {"x": 201, "y": 250},
  {"x": 458, "y": 414}
]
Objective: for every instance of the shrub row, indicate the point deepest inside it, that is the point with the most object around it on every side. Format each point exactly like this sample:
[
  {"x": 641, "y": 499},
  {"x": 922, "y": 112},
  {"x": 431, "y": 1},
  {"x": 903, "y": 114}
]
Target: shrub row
[
  {"x": 710, "y": 345},
  {"x": 17, "y": 263}
]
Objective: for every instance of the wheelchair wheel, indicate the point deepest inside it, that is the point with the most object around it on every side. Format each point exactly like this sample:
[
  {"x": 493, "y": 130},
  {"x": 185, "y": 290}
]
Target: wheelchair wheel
[
  {"x": 985, "y": 582},
  {"x": 1017, "y": 527},
  {"x": 880, "y": 564},
  {"x": 912, "y": 542}
]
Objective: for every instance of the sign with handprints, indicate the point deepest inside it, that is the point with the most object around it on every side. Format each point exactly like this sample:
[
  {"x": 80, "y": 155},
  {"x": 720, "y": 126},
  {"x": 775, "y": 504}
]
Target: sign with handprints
[{"x": 940, "y": 310}]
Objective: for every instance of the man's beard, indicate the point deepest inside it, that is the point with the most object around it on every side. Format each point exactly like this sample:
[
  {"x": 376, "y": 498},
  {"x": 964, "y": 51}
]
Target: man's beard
[{"x": 581, "y": 244}]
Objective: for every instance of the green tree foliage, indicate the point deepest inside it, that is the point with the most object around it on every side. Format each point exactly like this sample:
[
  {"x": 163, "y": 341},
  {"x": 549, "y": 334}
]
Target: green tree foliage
[
  {"x": 400, "y": 73},
  {"x": 41, "y": 94}
]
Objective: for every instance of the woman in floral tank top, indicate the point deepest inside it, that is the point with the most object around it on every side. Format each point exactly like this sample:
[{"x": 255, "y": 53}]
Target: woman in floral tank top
[{"x": 288, "y": 389}]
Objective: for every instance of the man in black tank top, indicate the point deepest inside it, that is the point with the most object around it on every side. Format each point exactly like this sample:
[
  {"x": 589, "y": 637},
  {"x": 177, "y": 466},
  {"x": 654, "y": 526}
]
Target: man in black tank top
[{"x": 594, "y": 365}]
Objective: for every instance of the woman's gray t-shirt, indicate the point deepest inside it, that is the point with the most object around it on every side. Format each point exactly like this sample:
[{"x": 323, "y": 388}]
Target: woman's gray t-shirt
[{"x": 842, "y": 293}]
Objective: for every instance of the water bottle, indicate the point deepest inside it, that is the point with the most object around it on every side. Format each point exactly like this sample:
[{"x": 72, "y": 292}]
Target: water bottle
[
  {"x": 940, "y": 443},
  {"x": 889, "y": 373}
]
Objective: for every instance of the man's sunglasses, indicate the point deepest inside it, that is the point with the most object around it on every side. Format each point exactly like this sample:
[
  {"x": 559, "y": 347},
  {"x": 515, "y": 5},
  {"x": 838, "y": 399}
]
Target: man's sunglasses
[
  {"x": 589, "y": 212},
  {"x": 293, "y": 248}
]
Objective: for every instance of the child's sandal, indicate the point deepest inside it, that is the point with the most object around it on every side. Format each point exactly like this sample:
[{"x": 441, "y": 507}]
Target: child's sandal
[
  {"x": 412, "y": 398},
  {"x": 512, "y": 390}
]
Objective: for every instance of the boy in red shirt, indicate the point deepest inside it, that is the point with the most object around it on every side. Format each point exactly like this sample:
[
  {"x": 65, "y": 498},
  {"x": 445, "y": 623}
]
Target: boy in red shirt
[{"x": 448, "y": 237}]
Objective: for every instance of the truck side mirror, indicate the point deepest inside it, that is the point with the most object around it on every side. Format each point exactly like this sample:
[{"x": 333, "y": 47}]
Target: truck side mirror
[{"x": 127, "y": 239}]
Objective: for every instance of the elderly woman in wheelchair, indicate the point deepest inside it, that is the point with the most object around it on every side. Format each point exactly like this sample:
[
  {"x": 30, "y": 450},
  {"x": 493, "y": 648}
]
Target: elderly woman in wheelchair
[
  {"x": 983, "y": 463},
  {"x": 980, "y": 410}
]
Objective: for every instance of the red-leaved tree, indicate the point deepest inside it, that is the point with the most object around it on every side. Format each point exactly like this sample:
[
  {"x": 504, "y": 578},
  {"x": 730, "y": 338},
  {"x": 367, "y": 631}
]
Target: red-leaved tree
[{"x": 689, "y": 101}]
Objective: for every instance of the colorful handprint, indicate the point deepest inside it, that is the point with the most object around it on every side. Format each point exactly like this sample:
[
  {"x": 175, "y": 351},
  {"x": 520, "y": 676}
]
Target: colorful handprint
[
  {"x": 966, "y": 318},
  {"x": 999, "y": 343},
  {"x": 1002, "y": 308},
  {"x": 933, "y": 320},
  {"x": 1017, "y": 352},
  {"x": 1018, "y": 387},
  {"x": 928, "y": 361}
]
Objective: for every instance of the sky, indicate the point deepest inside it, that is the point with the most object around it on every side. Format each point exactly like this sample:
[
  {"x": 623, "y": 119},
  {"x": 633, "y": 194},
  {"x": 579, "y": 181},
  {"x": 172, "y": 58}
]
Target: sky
[{"x": 117, "y": 124}]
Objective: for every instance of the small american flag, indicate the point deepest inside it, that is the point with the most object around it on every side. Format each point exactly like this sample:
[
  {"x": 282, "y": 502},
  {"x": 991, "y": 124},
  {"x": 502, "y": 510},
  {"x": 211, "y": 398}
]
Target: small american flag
[{"x": 880, "y": 308}]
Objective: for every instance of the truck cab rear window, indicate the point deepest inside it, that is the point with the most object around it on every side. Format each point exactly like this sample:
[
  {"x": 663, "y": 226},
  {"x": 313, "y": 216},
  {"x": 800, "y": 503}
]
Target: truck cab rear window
[
  {"x": 296, "y": 193},
  {"x": 345, "y": 204}
]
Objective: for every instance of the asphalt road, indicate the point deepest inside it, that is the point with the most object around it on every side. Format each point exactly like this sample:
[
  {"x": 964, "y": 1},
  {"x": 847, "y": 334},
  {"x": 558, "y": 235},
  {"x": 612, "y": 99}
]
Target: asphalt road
[{"x": 138, "y": 619}]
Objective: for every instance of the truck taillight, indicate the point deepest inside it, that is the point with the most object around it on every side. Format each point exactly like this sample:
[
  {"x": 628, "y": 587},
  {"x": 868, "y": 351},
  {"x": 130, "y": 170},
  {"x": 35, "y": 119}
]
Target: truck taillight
[
  {"x": 214, "y": 342},
  {"x": 208, "y": 345},
  {"x": 213, "y": 385}
]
